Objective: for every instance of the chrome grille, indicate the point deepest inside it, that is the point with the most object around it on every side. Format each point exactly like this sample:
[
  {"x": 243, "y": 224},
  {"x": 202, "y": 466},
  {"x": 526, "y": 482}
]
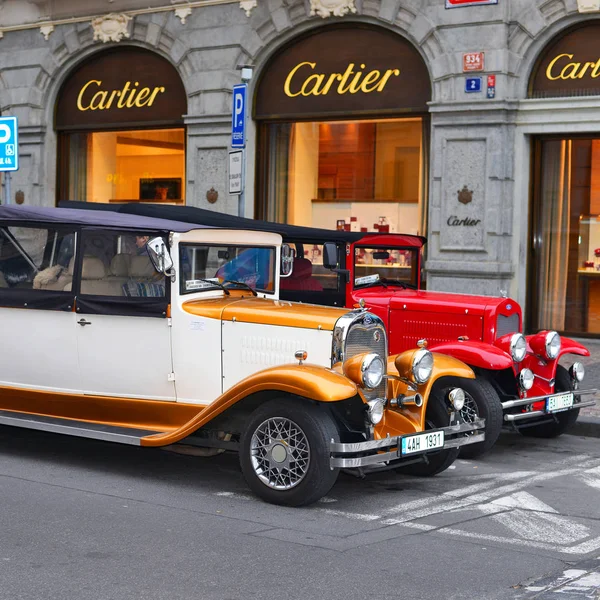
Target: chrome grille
[
  {"x": 359, "y": 332},
  {"x": 506, "y": 325}
]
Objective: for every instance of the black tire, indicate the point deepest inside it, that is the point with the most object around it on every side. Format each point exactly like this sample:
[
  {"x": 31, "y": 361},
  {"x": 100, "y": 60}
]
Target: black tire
[
  {"x": 316, "y": 479},
  {"x": 481, "y": 400},
  {"x": 437, "y": 416},
  {"x": 564, "y": 420}
]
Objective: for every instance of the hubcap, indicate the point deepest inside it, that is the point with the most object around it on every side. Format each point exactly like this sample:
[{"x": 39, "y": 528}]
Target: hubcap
[
  {"x": 469, "y": 411},
  {"x": 280, "y": 453}
]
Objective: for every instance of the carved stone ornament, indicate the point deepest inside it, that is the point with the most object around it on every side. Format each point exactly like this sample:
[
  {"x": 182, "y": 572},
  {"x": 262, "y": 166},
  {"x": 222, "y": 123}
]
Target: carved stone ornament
[
  {"x": 111, "y": 28},
  {"x": 331, "y": 8},
  {"x": 212, "y": 195},
  {"x": 183, "y": 13},
  {"x": 20, "y": 197},
  {"x": 465, "y": 195},
  {"x": 46, "y": 30},
  {"x": 247, "y": 6},
  {"x": 588, "y": 6}
]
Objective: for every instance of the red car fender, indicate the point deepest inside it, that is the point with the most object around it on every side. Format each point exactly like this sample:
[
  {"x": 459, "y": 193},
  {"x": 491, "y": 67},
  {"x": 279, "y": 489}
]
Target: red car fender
[
  {"x": 567, "y": 346},
  {"x": 475, "y": 354}
]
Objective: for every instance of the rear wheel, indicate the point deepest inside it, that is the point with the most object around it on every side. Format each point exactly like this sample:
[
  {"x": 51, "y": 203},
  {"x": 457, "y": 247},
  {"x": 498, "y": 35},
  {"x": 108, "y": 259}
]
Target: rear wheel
[
  {"x": 563, "y": 420},
  {"x": 284, "y": 452},
  {"x": 481, "y": 400},
  {"x": 436, "y": 416}
]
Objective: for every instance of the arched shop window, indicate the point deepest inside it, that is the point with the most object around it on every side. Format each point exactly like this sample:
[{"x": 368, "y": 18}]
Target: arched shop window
[
  {"x": 119, "y": 120},
  {"x": 343, "y": 131}
]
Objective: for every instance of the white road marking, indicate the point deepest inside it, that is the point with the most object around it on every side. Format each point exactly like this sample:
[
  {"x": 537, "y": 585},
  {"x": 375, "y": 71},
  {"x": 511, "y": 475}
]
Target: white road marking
[
  {"x": 350, "y": 515},
  {"x": 501, "y": 498},
  {"x": 583, "y": 548},
  {"x": 525, "y": 501},
  {"x": 591, "y": 477},
  {"x": 583, "y": 584},
  {"x": 542, "y": 527}
]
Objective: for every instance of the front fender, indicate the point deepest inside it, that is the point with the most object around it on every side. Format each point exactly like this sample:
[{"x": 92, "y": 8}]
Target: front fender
[
  {"x": 476, "y": 354},
  {"x": 569, "y": 346},
  {"x": 443, "y": 366},
  {"x": 309, "y": 381}
]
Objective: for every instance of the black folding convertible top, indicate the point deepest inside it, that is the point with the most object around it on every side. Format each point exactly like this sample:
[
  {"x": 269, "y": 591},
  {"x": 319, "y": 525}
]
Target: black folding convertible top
[
  {"x": 86, "y": 218},
  {"x": 209, "y": 218}
]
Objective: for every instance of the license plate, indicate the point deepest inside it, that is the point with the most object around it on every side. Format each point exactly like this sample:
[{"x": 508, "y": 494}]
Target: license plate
[
  {"x": 422, "y": 442},
  {"x": 557, "y": 403}
]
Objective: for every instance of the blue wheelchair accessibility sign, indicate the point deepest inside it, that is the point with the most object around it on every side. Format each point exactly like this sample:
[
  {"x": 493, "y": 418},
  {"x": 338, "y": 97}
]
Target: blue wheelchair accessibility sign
[
  {"x": 9, "y": 144},
  {"x": 238, "y": 116}
]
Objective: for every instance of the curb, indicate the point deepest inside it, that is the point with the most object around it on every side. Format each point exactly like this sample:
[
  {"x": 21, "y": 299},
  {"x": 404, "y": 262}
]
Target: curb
[{"x": 586, "y": 426}]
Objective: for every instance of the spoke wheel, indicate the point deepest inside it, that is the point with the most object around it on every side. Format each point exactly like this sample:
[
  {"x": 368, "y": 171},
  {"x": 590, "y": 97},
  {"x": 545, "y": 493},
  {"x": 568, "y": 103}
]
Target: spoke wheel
[
  {"x": 285, "y": 451},
  {"x": 280, "y": 453},
  {"x": 469, "y": 411},
  {"x": 481, "y": 400}
]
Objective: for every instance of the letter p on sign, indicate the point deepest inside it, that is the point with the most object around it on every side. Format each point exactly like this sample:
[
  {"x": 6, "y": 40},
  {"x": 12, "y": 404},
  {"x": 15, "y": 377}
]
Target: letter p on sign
[
  {"x": 9, "y": 144},
  {"x": 238, "y": 116}
]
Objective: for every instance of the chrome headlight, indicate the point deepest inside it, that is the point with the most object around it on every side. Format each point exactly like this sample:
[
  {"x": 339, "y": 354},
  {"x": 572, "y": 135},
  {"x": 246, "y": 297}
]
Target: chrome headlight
[
  {"x": 518, "y": 347},
  {"x": 375, "y": 410},
  {"x": 422, "y": 365},
  {"x": 372, "y": 370},
  {"x": 552, "y": 344},
  {"x": 526, "y": 379},
  {"x": 577, "y": 371},
  {"x": 457, "y": 398}
]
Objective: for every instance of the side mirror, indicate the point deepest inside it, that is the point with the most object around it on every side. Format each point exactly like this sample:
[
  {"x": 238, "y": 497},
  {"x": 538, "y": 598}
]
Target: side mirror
[
  {"x": 287, "y": 260},
  {"x": 330, "y": 255},
  {"x": 160, "y": 257}
]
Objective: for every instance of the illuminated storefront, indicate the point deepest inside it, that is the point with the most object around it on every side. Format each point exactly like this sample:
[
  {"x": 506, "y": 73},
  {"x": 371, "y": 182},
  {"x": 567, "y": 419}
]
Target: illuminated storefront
[
  {"x": 565, "y": 266},
  {"x": 343, "y": 130},
  {"x": 121, "y": 137}
]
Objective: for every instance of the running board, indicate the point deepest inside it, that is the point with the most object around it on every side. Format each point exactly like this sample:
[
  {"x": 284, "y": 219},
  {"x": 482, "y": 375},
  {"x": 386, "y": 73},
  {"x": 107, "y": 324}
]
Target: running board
[{"x": 95, "y": 431}]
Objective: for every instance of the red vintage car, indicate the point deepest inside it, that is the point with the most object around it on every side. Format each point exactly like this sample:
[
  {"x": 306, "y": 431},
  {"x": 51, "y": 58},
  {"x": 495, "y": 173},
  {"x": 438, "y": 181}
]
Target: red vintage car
[{"x": 519, "y": 382}]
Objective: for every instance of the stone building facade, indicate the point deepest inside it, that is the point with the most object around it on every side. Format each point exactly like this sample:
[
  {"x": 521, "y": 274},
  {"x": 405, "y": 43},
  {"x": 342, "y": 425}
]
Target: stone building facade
[{"x": 479, "y": 143}]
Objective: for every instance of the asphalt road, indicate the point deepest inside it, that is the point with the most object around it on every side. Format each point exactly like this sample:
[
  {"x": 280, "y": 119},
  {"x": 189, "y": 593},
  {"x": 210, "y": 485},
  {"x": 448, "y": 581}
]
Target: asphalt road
[{"x": 89, "y": 520}]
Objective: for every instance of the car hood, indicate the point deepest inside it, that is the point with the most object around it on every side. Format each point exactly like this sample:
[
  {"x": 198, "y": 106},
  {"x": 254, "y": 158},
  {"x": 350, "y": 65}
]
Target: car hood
[
  {"x": 437, "y": 302},
  {"x": 265, "y": 311}
]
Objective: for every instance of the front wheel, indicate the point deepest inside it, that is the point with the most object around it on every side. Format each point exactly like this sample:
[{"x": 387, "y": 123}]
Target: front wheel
[
  {"x": 284, "y": 452},
  {"x": 563, "y": 420},
  {"x": 437, "y": 415},
  {"x": 481, "y": 400}
]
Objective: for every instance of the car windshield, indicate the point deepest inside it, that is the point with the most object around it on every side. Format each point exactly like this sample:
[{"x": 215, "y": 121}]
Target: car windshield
[
  {"x": 201, "y": 265},
  {"x": 385, "y": 266}
]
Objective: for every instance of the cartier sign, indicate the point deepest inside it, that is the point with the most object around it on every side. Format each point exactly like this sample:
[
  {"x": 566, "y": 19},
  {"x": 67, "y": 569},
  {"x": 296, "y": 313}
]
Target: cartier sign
[
  {"x": 352, "y": 80},
  {"x": 569, "y": 66},
  {"x": 340, "y": 70},
  {"x": 121, "y": 86}
]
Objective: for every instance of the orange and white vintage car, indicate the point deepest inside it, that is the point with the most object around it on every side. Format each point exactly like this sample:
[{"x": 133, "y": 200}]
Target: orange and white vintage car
[{"x": 153, "y": 332}]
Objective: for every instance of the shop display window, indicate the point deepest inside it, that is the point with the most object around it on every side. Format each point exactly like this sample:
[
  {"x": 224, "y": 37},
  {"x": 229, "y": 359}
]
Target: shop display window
[
  {"x": 358, "y": 175},
  {"x": 123, "y": 166}
]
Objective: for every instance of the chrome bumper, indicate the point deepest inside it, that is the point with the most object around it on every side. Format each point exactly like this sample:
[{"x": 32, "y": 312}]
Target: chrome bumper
[
  {"x": 375, "y": 452},
  {"x": 532, "y": 414}
]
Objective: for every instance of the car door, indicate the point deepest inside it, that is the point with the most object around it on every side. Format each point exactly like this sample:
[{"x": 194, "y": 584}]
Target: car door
[
  {"x": 37, "y": 324},
  {"x": 122, "y": 330}
]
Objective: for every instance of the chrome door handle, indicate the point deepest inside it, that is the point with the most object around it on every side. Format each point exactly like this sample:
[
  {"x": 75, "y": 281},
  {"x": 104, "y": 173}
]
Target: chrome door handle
[{"x": 83, "y": 322}]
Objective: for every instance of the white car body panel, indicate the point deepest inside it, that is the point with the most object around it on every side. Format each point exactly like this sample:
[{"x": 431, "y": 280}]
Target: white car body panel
[
  {"x": 38, "y": 350},
  {"x": 125, "y": 357},
  {"x": 253, "y": 347}
]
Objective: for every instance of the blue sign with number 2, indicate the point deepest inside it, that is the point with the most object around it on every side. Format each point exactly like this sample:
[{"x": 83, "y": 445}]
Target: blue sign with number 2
[{"x": 473, "y": 84}]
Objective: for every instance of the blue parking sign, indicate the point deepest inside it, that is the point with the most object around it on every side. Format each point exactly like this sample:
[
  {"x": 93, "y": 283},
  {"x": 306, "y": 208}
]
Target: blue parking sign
[
  {"x": 238, "y": 116},
  {"x": 9, "y": 144},
  {"x": 473, "y": 84}
]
